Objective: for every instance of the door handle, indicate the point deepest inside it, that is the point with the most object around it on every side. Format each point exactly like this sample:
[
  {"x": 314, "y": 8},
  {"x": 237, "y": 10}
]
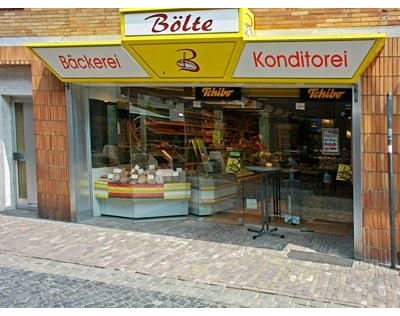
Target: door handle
[{"x": 18, "y": 156}]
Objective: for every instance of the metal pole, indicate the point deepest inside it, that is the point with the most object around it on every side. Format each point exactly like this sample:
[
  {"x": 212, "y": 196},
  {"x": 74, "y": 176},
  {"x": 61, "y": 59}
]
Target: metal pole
[{"x": 391, "y": 180}]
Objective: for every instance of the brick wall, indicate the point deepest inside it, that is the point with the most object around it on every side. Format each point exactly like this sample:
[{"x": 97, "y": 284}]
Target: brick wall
[
  {"x": 50, "y": 125},
  {"x": 310, "y": 18},
  {"x": 59, "y": 22},
  {"x": 381, "y": 77},
  {"x": 67, "y": 22}
]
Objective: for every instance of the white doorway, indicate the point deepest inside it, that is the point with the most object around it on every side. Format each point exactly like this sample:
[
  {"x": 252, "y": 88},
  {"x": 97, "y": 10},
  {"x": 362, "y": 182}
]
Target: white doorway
[{"x": 24, "y": 156}]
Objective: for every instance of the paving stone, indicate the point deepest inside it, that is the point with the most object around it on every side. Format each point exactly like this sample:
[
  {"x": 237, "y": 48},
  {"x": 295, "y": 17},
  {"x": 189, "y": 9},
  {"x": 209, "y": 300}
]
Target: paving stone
[{"x": 157, "y": 256}]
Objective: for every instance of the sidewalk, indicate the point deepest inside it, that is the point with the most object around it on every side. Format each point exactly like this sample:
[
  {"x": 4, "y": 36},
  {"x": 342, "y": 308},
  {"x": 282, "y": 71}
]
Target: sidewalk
[
  {"x": 32, "y": 282},
  {"x": 206, "y": 253}
]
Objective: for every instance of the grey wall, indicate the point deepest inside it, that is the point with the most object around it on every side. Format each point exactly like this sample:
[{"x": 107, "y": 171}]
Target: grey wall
[
  {"x": 79, "y": 149},
  {"x": 15, "y": 82}
]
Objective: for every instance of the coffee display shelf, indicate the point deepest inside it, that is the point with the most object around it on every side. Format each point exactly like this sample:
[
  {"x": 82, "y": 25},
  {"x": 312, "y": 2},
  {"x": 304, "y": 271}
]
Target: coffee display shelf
[
  {"x": 162, "y": 131},
  {"x": 176, "y": 124}
]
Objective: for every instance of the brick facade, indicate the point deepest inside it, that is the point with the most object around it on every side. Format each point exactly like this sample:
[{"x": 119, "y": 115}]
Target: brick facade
[
  {"x": 69, "y": 22},
  {"x": 50, "y": 126},
  {"x": 381, "y": 77},
  {"x": 311, "y": 18},
  {"x": 58, "y": 22}
]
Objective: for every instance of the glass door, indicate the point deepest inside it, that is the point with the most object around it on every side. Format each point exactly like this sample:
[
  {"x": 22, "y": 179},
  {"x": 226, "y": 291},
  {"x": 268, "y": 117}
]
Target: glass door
[{"x": 24, "y": 156}]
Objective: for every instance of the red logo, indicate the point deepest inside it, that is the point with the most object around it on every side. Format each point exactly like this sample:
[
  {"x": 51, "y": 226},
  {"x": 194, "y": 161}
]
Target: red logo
[
  {"x": 187, "y": 63},
  {"x": 164, "y": 23}
]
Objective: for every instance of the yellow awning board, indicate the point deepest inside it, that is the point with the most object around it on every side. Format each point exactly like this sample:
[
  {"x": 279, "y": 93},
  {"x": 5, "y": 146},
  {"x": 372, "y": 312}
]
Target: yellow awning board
[
  {"x": 89, "y": 61},
  {"x": 233, "y": 57},
  {"x": 302, "y": 59}
]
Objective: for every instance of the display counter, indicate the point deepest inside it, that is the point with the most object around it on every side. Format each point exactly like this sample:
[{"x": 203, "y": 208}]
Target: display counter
[{"x": 138, "y": 200}]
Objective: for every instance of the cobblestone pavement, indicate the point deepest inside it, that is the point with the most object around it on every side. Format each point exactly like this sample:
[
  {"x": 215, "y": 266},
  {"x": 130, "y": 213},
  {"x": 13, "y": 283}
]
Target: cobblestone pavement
[
  {"x": 28, "y": 289},
  {"x": 206, "y": 254},
  {"x": 33, "y": 282}
]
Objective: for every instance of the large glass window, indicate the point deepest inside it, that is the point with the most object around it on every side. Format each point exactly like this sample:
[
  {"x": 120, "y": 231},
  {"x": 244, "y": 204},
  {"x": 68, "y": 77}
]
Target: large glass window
[
  {"x": 162, "y": 151},
  {"x": 138, "y": 155}
]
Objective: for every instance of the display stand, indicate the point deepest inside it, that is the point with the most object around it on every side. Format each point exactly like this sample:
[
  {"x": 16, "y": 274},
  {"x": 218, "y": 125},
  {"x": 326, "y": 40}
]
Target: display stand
[
  {"x": 212, "y": 194},
  {"x": 265, "y": 229}
]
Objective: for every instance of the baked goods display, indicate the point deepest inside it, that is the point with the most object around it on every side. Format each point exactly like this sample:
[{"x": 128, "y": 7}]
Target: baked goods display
[{"x": 142, "y": 183}]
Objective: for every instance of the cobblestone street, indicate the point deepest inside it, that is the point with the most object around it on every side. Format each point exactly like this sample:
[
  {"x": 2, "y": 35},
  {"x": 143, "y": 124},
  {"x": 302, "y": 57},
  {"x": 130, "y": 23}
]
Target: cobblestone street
[
  {"x": 104, "y": 262},
  {"x": 28, "y": 289},
  {"x": 33, "y": 282}
]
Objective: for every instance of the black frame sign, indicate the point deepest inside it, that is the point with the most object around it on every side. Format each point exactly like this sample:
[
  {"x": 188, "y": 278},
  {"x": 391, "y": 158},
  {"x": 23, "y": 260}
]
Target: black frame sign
[
  {"x": 217, "y": 93},
  {"x": 325, "y": 95}
]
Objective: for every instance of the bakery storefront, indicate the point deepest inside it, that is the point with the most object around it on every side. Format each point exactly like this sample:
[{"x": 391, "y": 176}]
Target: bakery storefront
[{"x": 165, "y": 122}]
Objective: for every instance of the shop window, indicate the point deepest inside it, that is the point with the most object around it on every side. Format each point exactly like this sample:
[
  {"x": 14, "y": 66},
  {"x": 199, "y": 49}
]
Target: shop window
[{"x": 197, "y": 151}]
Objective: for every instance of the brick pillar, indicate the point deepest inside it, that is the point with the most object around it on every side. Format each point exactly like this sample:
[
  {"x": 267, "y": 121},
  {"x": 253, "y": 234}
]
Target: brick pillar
[
  {"x": 381, "y": 77},
  {"x": 50, "y": 115}
]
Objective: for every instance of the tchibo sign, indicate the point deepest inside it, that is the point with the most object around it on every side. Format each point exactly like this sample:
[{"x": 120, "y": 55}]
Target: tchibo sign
[
  {"x": 91, "y": 62},
  {"x": 325, "y": 94},
  {"x": 182, "y": 22},
  {"x": 319, "y": 59},
  {"x": 217, "y": 93}
]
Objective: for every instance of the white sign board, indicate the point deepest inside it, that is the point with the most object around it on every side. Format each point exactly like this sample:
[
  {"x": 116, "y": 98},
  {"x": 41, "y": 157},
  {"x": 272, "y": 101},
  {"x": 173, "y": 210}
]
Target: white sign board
[
  {"x": 197, "y": 104},
  {"x": 91, "y": 62},
  {"x": 330, "y": 141},
  {"x": 251, "y": 204},
  {"x": 182, "y": 22},
  {"x": 313, "y": 59}
]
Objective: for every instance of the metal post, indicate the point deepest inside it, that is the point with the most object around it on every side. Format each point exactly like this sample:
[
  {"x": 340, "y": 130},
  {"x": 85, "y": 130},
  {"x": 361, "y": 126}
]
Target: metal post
[{"x": 391, "y": 180}]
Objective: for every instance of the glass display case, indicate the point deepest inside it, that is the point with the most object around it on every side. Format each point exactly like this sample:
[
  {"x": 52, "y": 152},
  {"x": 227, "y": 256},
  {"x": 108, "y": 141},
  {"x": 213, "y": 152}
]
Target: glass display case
[{"x": 138, "y": 162}]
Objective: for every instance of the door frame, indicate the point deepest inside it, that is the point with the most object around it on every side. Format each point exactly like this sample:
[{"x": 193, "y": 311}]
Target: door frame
[{"x": 20, "y": 203}]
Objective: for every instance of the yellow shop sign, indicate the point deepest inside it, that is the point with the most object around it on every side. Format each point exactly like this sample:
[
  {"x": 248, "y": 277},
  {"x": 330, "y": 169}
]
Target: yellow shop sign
[
  {"x": 181, "y": 60},
  {"x": 210, "y": 46}
]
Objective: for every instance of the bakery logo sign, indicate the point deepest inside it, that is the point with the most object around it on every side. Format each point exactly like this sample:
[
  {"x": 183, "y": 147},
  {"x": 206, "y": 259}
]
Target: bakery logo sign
[
  {"x": 217, "y": 93},
  {"x": 181, "y": 22},
  {"x": 162, "y": 22},
  {"x": 325, "y": 94},
  {"x": 187, "y": 62}
]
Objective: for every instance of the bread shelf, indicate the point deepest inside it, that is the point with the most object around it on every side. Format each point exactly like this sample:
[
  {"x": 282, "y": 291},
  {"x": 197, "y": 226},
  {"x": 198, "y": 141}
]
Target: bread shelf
[{"x": 177, "y": 124}]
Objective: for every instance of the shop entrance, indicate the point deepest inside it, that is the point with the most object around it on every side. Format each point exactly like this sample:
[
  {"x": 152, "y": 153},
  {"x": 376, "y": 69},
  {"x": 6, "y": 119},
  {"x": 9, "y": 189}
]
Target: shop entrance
[
  {"x": 163, "y": 153},
  {"x": 311, "y": 141}
]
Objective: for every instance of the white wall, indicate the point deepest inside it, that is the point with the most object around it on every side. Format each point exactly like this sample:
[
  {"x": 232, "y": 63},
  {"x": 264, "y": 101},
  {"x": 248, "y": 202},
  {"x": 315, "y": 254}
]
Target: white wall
[{"x": 15, "y": 81}]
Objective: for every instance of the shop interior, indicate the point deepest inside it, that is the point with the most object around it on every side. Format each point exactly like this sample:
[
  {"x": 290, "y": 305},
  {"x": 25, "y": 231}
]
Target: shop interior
[{"x": 163, "y": 153}]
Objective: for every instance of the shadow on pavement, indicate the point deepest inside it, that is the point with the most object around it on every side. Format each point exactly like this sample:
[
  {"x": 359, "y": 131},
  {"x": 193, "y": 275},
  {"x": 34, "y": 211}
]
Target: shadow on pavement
[{"x": 192, "y": 228}]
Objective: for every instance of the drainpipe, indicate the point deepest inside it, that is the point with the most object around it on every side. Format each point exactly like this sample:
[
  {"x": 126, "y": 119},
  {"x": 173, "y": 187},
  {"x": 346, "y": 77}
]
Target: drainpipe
[{"x": 391, "y": 180}]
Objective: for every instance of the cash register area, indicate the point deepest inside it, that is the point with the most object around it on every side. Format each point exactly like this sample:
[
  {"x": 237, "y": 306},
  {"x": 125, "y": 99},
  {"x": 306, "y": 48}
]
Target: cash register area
[{"x": 160, "y": 153}]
